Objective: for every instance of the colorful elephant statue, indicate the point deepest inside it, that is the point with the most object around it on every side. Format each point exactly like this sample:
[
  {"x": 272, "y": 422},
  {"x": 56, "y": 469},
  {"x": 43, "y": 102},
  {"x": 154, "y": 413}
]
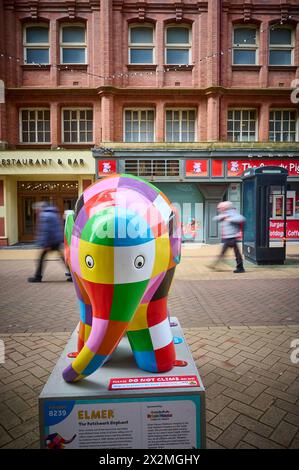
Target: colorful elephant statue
[
  {"x": 56, "y": 441},
  {"x": 122, "y": 245}
]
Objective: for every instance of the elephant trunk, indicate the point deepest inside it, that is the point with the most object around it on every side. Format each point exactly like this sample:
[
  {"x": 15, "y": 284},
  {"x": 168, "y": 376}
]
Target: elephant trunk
[{"x": 103, "y": 339}]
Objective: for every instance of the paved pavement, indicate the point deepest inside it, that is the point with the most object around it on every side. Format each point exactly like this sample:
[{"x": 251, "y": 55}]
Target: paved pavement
[{"x": 239, "y": 329}]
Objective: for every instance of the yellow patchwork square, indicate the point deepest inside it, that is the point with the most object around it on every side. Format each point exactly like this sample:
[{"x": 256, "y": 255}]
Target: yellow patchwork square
[
  {"x": 139, "y": 321},
  {"x": 83, "y": 359},
  {"x": 87, "y": 331},
  {"x": 162, "y": 256},
  {"x": 96, "y": 262}
]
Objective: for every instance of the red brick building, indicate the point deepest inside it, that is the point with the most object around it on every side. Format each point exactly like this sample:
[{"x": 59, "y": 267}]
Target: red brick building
[{"x": 184, "y": 93}]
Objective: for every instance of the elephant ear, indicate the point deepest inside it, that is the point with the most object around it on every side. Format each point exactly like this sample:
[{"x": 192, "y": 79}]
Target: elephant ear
[
  {"x": 175, "y": 236},
  {"x": 78, "y": 206},
  {"x": 68, "y": 227}
]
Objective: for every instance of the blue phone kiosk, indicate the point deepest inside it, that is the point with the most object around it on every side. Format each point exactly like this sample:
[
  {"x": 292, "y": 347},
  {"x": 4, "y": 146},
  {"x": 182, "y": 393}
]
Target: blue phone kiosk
[{"x": 264, "y": 201}]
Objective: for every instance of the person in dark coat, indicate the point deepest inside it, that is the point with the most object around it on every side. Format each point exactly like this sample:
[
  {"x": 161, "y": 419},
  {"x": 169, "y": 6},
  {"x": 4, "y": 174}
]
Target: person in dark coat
[{"x": 49, "y": 237}]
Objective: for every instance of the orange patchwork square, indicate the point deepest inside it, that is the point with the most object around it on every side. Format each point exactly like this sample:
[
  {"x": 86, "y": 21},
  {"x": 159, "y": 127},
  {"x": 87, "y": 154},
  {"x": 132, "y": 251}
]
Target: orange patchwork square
[{"x": 113, "y": 335}]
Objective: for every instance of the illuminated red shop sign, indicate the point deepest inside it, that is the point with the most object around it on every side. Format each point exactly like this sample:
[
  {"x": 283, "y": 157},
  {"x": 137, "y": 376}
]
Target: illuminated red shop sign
[
  {"x": 277, "y": 229},
  {"x": 106, "y": 167},
  {"x": 197, "y": 168},
  {"x": 236, "y": 167}
]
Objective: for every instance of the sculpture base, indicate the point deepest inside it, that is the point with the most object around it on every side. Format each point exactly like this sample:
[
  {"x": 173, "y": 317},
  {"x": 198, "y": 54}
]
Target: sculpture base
[{"x": 120, "y": 406}]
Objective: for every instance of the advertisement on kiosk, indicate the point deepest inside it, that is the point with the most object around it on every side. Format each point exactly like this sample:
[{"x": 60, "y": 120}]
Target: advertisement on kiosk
[
  {"x": 236, "y": 167},
  {"x": 292, "y": 215}
]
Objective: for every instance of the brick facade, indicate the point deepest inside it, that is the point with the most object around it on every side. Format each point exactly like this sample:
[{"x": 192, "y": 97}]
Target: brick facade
[
  {"x": 109, "y": 81},
  {"x": 210, "y": 83}
]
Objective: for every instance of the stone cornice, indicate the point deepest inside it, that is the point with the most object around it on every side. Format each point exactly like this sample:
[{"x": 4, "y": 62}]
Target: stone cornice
[
  {"x": 216, "y": 90},
  {"x": 274, "y": 7},
  {"x": 36, "y": 92},
  {"x": 114, "y": 90},
  {"x": 207, "y": 149},
  {"x": 42, "y": 5}
]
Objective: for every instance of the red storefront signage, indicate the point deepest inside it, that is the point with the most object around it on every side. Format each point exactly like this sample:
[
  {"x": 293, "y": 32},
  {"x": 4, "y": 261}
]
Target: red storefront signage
[
  {"x": 277, "y": 227},
  {"x": 197, "y": 168},
  {"x": 217, "y": 168},
  {"x": 236, "y": 167},
  {"x": 106, "y": 167}
]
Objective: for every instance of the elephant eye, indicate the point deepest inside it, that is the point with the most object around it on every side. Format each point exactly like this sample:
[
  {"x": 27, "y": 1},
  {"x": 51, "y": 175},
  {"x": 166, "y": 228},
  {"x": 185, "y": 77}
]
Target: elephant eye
[
  {"x": 89, "y": 261},
  {"x": 139, "y": 262}
]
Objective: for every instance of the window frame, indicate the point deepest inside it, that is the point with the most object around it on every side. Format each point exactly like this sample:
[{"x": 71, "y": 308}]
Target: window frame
[
  {"x": 180, "y": 121},
  {"x": 283, "y": 47},
  {"x": 140, "y": 45},
  {"x": 35, "y": 45},
  {"x": 248, "y": 47},
  {"x": 256, "y": 136},
  {"x": 78, "y": 142},
  {"x": 72, "y": 45},
  {"x": 139, "y": 111},
  {"x": 281, "y": 131},
  {"x": 155, "y": 165},
  {"x": 178, "y": 46},
  {"x": 36, "y": 130}
]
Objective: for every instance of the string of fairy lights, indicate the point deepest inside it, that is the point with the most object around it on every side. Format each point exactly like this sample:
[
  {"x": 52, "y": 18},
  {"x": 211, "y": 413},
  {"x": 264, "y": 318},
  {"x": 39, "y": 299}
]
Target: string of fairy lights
[{"x": 128, "y": 74}]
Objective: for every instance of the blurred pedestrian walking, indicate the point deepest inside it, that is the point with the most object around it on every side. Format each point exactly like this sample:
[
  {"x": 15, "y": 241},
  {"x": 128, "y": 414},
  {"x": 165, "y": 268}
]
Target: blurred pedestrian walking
[
  {"x": 49, "y": 237},
  {"x": 231, "y": 224}
]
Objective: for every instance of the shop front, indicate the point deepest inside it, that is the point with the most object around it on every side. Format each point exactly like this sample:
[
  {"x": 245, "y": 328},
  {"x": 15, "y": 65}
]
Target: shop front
[
  {"x": 62, "y": 194},
  {"x": 197, "y": 180},
  {"x": 189, "y": 201},
  {"x": 236, "y": 167},
  {"x": 29, "y": 177}
]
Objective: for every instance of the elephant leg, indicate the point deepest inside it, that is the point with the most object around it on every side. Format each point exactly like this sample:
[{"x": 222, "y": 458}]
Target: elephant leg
[
  {"x": 85, "y": 313},
  {"x": 105, "y": 333},
  {"x": 85, "y": 324},
  {"x": 151, "y": 338}
]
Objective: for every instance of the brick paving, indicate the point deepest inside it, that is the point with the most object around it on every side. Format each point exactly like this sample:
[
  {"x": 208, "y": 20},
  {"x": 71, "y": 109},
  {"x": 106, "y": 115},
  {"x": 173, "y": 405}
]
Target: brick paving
[
  {"x": 199, "y": 296},
  {"x": 239, "y": 330},
  {"x": 249, "y": 403}
]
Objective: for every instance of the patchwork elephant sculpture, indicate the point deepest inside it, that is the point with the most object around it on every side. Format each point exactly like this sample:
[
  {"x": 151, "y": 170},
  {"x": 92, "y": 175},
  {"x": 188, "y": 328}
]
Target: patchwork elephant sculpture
[{"x": 122, "y": 245}]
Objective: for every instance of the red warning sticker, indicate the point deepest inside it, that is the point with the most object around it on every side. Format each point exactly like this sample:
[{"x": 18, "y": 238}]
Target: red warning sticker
[{"x": 131, "y": 383}]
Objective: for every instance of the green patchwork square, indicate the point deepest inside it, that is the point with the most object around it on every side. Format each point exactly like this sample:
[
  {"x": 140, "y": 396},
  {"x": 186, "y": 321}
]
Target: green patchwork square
[
  {"x": 140, "y": 340},
  {"x": 69, "y": 228},
  {"x": 100, "y": 228},
  {"x": 126, "y": 298}
]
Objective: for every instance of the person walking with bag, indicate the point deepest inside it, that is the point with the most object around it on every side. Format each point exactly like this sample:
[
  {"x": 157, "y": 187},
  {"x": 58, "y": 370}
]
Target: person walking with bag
[
  {"x": 49, "y": 236},
  {"x": 231, "y": 222}
]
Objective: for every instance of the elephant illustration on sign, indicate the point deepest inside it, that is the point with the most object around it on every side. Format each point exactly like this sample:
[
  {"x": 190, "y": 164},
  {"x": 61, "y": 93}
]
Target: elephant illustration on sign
[{"x": 122, "y": 244}]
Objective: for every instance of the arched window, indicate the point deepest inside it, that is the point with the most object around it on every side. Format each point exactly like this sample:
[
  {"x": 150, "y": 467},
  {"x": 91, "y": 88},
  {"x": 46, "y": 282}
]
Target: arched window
[
  {"x": 73, "y": 44},
  {"x": 245, "y": 45},
  {"x": 36, "y": 44},
  {"x": 141, "y": 44},
  {"x": 178, "y": 45},
  {"x": 281, "y": 45}
]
